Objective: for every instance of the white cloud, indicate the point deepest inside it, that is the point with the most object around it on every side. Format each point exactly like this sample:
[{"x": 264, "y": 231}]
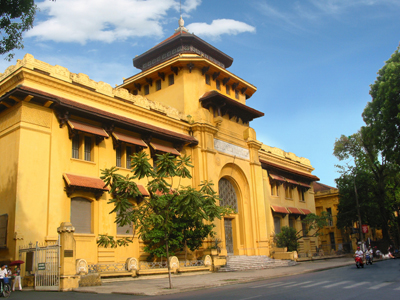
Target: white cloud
[
  {"x": 190, "y": 5},
  {"x": 220, "y": 27},
  {"x": 103, "y": 20}
]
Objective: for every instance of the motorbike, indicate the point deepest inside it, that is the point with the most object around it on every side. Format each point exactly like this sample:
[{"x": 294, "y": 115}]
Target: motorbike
[
  {"x": 359, "y": 262},
  {"x": 368, "y": 259}
]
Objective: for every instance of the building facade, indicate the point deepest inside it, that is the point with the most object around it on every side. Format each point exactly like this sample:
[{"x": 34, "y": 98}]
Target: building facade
[{"x": 58, "y": 130}]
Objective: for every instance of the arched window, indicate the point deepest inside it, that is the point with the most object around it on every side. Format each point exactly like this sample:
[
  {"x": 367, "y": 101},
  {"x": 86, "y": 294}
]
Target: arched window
[
  {"x": 81, "y": 215},
  {"x": 227, "y": 194}
]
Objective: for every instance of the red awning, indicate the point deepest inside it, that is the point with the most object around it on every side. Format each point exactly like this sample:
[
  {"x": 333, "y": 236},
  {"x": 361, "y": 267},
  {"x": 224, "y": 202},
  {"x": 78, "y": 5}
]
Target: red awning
[
  {"x": 129, "y": 139},
  {"x": 84, "y": 182},
  {"x": 276, "y": 177},
  {"x": 295, "y": 211},
  {"x": 142, "y": 190},
  {"x": 291, "y": 181},
  {"x": 306, "y": 211},
  {"x": 279, "y": 209},
  {"x": 88, "y": 128},
  {"x": 165, "y": 149}
]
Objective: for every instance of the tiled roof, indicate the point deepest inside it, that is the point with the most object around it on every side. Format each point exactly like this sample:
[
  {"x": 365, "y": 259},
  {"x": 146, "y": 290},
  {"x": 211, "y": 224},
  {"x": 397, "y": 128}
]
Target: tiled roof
[
  {"x": 129, "y": 139},
  {"x": 87, "y": 128},
  {"x": 289, "y": 170},
  {"x": 279, "y": 209},
  {"x": 294, "y": 210},
  {"x": 320, "y": 187},
  {"x": 306, "y": 211},
  {"x": 165, "y": 149},
  {"x": 138, "y": 126},
  {"x": 84, "y": 181}
]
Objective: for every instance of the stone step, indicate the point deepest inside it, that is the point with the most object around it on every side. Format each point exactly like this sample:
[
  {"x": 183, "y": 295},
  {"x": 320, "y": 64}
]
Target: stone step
[{"x": 243, "y": 262}]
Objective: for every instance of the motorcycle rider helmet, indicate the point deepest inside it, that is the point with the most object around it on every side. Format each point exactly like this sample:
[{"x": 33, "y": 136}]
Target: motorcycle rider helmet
[{"x": 358, "y": 248}]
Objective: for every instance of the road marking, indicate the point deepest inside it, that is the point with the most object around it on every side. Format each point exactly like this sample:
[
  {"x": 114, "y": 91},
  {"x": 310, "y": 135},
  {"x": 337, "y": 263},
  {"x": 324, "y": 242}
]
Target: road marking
[
  {"x": 380, "y": 285},
  {"x": 355, "y": 285},
  {"x": 274, "y": 284},
  {"x": 314, "y": 284},
  {"x": 398, "y": 289},
  {"x": 297, "y": 284},
  {"x": 335, "y": 284},
  {"x": 251, "y": 297}
]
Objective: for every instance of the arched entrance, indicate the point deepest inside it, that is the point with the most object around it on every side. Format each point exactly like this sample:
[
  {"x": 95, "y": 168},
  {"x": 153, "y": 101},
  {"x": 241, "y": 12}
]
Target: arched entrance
[{"x": 228, "y": 197}]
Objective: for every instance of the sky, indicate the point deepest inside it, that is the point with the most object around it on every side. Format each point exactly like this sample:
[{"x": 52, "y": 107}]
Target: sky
[{"x": 312, "y": 61}]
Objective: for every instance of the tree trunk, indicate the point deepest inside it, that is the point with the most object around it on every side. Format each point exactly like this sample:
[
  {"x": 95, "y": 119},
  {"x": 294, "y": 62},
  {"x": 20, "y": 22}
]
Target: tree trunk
[
  {"x": 185, "y": 253},
  {"x": 168, "y": 265}
]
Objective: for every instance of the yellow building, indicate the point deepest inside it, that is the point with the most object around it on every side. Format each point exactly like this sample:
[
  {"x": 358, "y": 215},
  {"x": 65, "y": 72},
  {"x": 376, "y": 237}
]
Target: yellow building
[
  {"x": 58, "y": 130},
  {"x": 331, "y": 238}
]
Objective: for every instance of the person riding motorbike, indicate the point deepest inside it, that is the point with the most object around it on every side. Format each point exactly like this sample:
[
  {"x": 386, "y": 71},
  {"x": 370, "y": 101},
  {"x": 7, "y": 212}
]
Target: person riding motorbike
[
  {"x": 369, "y": 255},
  {"x": 359, "y": 256}
]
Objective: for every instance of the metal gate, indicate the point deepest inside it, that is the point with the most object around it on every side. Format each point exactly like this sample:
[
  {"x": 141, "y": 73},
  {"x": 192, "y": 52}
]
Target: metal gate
[
  {"x": 44, "y": 263},
  {"x": 228, "y": 236}
]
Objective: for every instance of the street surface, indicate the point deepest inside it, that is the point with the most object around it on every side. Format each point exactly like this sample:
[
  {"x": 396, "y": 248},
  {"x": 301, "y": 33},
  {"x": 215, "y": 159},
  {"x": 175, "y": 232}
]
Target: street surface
[{"x": 379, "y": 281}]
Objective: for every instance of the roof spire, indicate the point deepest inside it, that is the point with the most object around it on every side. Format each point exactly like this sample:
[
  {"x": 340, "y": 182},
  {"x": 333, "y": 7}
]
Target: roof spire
[{"x": 181, "y": 23}]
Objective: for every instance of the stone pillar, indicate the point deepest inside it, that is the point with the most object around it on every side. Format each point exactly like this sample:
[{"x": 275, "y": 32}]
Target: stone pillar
[{"x": 68, "y": 278}]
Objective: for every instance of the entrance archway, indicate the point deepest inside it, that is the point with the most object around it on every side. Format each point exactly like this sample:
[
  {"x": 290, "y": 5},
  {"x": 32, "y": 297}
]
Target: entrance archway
[{"x": 228, "y": 197}]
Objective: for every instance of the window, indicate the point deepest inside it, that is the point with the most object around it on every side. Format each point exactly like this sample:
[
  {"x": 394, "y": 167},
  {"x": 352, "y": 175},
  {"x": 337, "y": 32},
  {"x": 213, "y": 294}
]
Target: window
[
  {"x": 128, "y": 156},
  {"x": 125, "y": 230},
  {"x": 288, "y": 192},
  {"x": 146, "y": 89},
  {"x": 75, "y": 146},
  {"x": 123, "y": 155},
  {"x": 171, "y": 79},
  {"x": 81, "y": 215},
  {"x": 236, "y": 94},
  {"x": 304, "y": 228},
  {"x": 277, "y": 225},
  {"x": 329, "y": 211},
  {"x": 292, "y": 223},
  {"x": 3, "y": 230},
  {"x": 301, "y": 194},
  {"x": 227, "y": 194},
  {"x": 88, "y": 148},
  {"x": 218, "y": 84},
  {"x": 158, "y": 85},
  {"x": 228, "y": 90},
  {"x": 207, "y": 79},
  {"x": 274, "y": 188}
]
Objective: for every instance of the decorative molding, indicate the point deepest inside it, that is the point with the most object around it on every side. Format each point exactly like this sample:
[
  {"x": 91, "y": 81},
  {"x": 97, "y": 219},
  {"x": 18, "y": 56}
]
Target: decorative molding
[
  {"x": 66, "y": 227},
  {"x": 161, "y": 75},
  {"x": 215, "y": 75},
  {"x": 190, "y": 66},
  {"x": 231, "y": 149},
  {"x": 204, "y": 70}
]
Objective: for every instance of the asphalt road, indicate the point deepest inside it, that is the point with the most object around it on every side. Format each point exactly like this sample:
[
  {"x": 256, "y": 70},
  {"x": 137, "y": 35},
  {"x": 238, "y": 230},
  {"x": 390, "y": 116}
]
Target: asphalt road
[{"x": 379, "y": 281}]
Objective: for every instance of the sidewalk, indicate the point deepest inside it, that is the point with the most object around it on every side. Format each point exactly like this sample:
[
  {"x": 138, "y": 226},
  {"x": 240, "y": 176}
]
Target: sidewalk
[{"x": 186, "y": 282}]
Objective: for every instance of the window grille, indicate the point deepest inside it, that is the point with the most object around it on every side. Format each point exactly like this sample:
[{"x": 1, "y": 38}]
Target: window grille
[
  {"x": 227, "y": 194},
  {"x": 118, "y": 154},
  {"x": 171, "y": 79},
  {"x": 88, "y": 148},
  {"x": 158, "y": 85},
  {"x": 128, "y": 157},
  {"x": 75, "y": 146}
]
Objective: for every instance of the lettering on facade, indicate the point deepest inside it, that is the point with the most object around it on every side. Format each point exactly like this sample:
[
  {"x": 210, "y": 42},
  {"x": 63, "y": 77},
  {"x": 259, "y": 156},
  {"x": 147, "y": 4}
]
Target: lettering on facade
[{"x": 231, "y": 149}]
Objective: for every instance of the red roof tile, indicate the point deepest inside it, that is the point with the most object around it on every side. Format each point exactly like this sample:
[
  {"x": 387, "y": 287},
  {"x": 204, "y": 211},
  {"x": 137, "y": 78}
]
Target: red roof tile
[
  {"x": 87, "y": 128},
  {"x": 129, "y": 139},
  {"x": 294, "y": 210},
  {"x": 142, "y": 190},
  {"x": 84, "y": 181},
  {"x": 165, "y": 149},
  {"x": 303, "y": 174},
  {"x": 276, "y": 177},
  {"x": 320, "y": 187},
  {"x": 306, "y": 211},
  {"x": 279, "y": 209}
]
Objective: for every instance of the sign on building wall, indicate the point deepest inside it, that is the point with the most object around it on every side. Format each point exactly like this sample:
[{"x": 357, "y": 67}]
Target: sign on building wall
[{"x": 231, "y": 149}]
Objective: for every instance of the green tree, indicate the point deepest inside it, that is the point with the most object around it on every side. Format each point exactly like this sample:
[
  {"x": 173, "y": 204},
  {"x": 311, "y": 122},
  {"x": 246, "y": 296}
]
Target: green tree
[
  {"x": 289, "y": 237},
  {"x": 173, "y": 216},
  {"x": 16, "y": 17},
  {"x": 382, "y": 114}
]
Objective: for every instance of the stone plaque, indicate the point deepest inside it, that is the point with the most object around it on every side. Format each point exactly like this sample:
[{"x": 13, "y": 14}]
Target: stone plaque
[
  {"x": 68, "y": 253},
  {"x": 231, "y": 149}
]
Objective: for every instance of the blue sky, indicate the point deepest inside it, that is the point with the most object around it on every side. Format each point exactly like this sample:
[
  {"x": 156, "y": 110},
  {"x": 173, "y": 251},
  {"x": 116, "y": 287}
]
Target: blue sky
[{"x": 311, "y": 60}]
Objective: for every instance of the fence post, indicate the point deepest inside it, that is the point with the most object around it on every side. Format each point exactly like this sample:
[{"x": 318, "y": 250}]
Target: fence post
[{"x": 68, "y": 278}]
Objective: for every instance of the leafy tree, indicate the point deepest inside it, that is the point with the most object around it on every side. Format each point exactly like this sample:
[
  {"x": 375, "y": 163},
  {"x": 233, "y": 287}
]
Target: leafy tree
[
  {"x": 382, "y": 114},
  {"x": 16, "y": 17},
  {"x": 288, "y": 237},
  {"x": 173, "y": 216}
]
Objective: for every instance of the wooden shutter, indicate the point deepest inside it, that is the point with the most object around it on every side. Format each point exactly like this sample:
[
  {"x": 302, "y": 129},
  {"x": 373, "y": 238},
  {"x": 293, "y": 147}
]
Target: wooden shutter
[{"x": 81, "y": 215}]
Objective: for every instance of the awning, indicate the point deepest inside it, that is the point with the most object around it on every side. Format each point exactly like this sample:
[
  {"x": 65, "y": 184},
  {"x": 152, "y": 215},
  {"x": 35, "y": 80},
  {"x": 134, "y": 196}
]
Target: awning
[
  {"x": 304, "y": 185},
  {"x": 165, "y": 149},
  {"x": 276, "y": 177},
  {"x": 295, "y": 211},
  {"x": 306, "y": 211},
  {"x": 129, "y": 139},
  {"x": 266, "y": 164},
  {"x": 279, "y": 209},
  {"x": 142, "y": 190},
  {"x": 291, "y": 181},
  {"x": 91, "y": 184},
  {"x": 88, "y": 128}
]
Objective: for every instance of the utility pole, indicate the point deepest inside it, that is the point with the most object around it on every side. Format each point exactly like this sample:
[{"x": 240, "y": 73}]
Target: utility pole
[{"x": 359, "y": 215}]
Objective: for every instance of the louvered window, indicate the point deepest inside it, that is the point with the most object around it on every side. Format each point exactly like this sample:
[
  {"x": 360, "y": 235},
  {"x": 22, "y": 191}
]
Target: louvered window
[
  {"x": 227, "y": 194},
  {"x": 128, "y": 157},
  {"x": 3, "y": 230},
  {"x": 88, "y": 148},
  {"x": 118, "y": 154},
  {"x": 277, "y": 225},
  {"x": 81, "y": 215},
  {"x": 75, "y": 146}
]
